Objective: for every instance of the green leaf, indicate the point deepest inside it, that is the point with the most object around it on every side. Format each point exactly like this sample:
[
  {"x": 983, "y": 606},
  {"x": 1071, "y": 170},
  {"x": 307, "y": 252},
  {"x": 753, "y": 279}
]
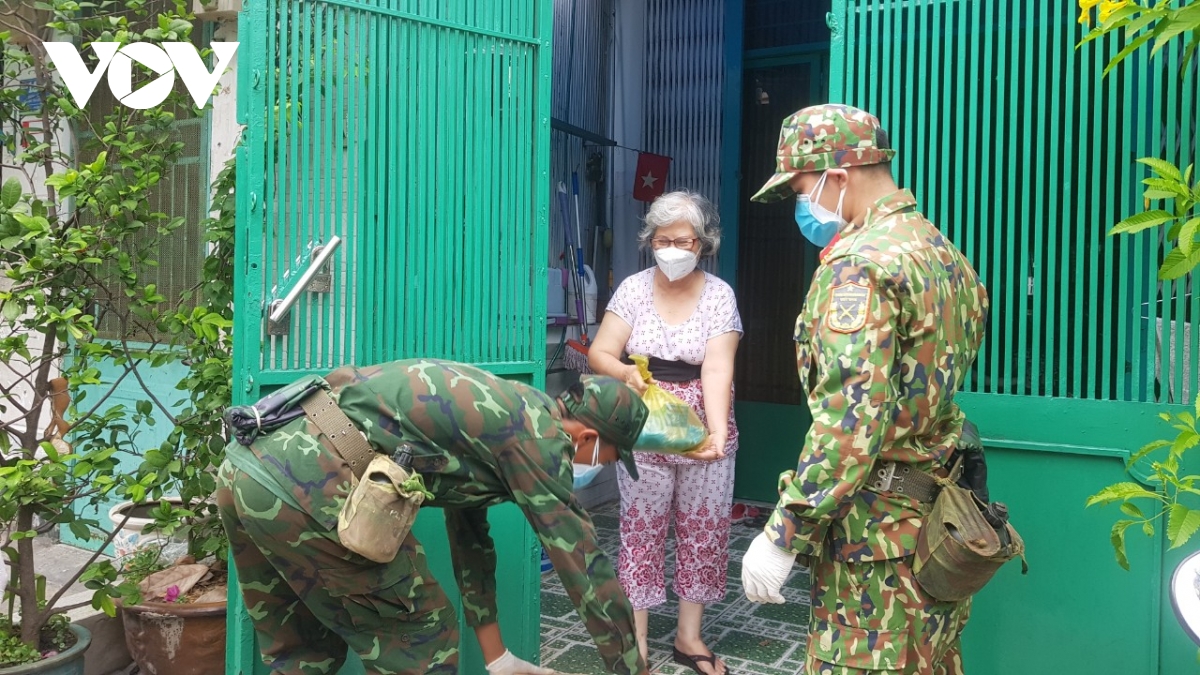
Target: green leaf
[
  {"x": 80, "y": 530},
  {"x": 1130, "y": 509},
  {"x": 1187, "y": 236},
  {"x": 1146, "y": 450},
  {"x": 1184, "y": 441},
  {"x": 1129, "y": 49},
  {"x": 1118, "y": 541},
  {"x": 10, "y": 194},
  {"x": 1182, "y": 524},
  {"x": 1176, "y": 264},
  {"x": 1141, "y": 221},
  {"x": 1120, "y": 492},
  {"x": 1163, "y": 168}
]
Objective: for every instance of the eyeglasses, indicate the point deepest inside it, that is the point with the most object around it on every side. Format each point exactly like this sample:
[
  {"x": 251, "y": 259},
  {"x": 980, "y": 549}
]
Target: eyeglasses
[{"x": 680, "y": 242}]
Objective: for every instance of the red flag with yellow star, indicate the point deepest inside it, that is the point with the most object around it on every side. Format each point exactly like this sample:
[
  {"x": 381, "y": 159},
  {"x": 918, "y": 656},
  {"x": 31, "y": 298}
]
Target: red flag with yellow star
[{"x": 651, "y": 178}]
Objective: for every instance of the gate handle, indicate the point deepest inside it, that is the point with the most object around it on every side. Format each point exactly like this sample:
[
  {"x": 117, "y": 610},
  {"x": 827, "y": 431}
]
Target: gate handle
[{"x": 280, "y": 308}]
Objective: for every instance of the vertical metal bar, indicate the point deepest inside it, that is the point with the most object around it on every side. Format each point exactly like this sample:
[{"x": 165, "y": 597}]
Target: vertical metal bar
[
  {"x": 462, "y": 256},
  {"x": 1001, "y": 225},
  {"x": 352, "y": 62},
  {"x": 392, "y": 321},
  {"x": 987, "y": 176},
  {"x": 1071, "y": 354},
  {"x": 1087, "y": 368},
  {"x": 1146, "y": 244},
  {"x": 297, "y": 337},
  {"x": 310, "y": 324},
  {"x": 888, "y": 52},
  {"x": 337, "y": 352},
  {"x": 941, "y": 78},
  {"x": 919, "y": 103},
  {"x": 1024, "y": 285},
  {"x": 1056, "y": 320},
  {"x": 1174, "y": 354},
  {"x": 1039, "y": 204},
  {"x": 1131, "y": 286},
  {"x": 476, "y": 49},
  {"x": 916, "y": 112},
  {"x": 1101, "y": 327},
  {"x": 1190, "y": 154},
  {"x": 843, "y": 79}
]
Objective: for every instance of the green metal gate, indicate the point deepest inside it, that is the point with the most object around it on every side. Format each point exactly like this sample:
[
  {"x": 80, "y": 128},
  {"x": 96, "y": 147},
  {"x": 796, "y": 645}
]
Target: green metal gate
[
  {"x": 392, "y": 196},
  {"x": 1019, "y": 151}
]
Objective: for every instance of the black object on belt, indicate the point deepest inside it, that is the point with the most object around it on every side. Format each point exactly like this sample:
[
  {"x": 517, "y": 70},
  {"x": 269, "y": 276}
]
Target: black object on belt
[{"x": 671, "y": 371}]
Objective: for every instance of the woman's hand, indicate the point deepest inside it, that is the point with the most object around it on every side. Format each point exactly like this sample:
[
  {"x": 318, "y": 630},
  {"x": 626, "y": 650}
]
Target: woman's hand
[
  {"x": 713, "y": 450},
  {"x": 633, "y": 377}
]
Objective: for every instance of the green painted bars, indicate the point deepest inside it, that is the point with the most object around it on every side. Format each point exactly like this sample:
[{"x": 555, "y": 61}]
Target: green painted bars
[
  {"x": 1024, "y": 156},
  {"x": 418, "y": 132},
  {"x": 1020, "y": 152}
]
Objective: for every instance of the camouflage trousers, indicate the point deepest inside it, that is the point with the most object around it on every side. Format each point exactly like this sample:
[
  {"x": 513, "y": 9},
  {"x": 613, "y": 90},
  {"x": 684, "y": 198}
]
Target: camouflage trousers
[
  {"x": 310, "y": 599},
  {"x": 872, "y": 617}
]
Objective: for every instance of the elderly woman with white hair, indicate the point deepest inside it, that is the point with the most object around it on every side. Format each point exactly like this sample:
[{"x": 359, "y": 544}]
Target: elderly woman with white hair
[{"x": 686, "y": 320}]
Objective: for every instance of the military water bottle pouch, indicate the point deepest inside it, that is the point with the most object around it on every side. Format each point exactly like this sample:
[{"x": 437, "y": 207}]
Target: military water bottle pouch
[
  {"x": 672, "y": 427},
  {"x": 958, "y": 550},
  {"x": 381, "y": 509}
]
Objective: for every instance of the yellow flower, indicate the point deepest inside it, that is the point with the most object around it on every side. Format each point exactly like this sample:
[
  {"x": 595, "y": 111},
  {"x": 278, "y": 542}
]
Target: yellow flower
[
  {"x": 1085, "y": 10},
  {"x": 1107, "y": 7}
]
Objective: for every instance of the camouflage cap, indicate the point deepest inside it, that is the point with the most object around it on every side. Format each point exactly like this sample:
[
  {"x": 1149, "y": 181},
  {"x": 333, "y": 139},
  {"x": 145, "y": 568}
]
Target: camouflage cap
[
  {"x": 612, "y": 408},
  {"x": 824, "y": 137}
]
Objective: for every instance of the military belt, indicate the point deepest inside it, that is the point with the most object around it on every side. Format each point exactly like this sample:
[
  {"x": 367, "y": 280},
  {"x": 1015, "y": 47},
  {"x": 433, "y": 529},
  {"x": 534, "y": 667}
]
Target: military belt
[
  {"x": 904, "y": 479},
  {"x": 323, "y": 412}
]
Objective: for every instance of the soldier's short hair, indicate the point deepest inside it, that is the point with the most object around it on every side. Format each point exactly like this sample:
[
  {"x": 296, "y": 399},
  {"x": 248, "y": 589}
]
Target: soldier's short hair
[{"x": 690, "y": 207}]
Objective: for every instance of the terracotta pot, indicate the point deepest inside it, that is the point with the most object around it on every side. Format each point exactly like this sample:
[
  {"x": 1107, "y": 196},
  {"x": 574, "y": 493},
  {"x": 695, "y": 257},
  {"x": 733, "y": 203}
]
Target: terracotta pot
[
  {"x": 69, "y": 662},
  {"x": 176, "y": 638}
]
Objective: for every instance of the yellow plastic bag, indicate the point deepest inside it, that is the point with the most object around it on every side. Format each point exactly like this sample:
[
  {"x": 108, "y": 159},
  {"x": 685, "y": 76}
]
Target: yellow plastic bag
[{"x": 672, "y": 427}]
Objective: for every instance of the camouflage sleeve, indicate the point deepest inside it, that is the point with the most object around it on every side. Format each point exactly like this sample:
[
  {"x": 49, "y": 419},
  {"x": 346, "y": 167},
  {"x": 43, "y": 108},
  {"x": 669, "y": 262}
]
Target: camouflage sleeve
[
  {"x": 473, "y": 555},
  {"x": 539, "y": 478},
  {"x": 852, "y": 399}
]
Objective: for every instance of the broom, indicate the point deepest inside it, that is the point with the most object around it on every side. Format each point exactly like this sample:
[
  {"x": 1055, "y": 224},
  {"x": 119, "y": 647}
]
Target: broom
[{"x": 576, "y": 356}]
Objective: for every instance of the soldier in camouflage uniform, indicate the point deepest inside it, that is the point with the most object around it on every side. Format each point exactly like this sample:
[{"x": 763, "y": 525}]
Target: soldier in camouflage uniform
[
  {"x": 479, "y": 440},
  {"x": 890, "y": 328}
]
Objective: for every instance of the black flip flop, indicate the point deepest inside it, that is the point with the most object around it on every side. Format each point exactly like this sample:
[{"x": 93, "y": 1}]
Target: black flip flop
[{"x": 692, "y": 661}]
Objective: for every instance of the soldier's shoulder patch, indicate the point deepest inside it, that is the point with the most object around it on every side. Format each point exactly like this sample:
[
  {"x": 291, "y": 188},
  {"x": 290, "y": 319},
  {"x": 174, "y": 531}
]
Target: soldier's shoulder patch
[{"x": 848, "y": 306}]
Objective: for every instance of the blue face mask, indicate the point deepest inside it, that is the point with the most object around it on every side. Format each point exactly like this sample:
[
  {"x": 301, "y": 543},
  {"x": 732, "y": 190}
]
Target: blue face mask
[
  {"x": 816, "y": 222},
  {"x": 586, "y": 473}
]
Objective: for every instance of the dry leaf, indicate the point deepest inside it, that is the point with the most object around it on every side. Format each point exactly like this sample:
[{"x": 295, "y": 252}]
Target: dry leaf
[
  {"x": 184, "y": 577},
  {"x": 214, "y": 594}
]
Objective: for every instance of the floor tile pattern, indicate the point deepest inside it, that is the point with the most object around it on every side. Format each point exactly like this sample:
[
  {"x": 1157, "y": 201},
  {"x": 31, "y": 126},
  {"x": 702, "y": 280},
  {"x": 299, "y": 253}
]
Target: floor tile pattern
[{"x": 753, "y": 639}]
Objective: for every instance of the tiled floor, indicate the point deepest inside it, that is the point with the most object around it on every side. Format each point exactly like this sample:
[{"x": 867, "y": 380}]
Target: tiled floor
[{"x": 753, "y": 639}]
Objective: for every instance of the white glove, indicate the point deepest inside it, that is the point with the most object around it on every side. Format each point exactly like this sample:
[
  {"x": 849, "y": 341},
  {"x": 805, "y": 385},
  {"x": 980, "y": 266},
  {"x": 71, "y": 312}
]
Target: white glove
[
  {"x": 511, "y": 665},
  {"x": 764, "y": 569}
]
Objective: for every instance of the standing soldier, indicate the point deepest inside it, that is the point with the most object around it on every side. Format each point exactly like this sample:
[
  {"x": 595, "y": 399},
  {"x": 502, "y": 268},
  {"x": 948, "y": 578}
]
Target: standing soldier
[
  {"x": 890, "y": 328},
  {"x": 474, "y": 440}
]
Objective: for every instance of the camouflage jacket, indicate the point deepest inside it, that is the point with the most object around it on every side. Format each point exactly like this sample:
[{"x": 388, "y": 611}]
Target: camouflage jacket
[
  {"x": 890, "y": 328},
  {"x": 481, "y": 440}
]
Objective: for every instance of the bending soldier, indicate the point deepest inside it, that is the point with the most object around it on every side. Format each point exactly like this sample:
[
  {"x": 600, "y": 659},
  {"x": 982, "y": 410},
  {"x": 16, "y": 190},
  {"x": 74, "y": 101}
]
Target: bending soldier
[{"x": 476, "y": 440}]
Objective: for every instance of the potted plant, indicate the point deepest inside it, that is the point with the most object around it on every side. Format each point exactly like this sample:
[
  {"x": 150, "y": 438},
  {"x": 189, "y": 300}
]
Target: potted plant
[
  {"x": 80, "y": 321},
  {"x": 174, "y": 608}
]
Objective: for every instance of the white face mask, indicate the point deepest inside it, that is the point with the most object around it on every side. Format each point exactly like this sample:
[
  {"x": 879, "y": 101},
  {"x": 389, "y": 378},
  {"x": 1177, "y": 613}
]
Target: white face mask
[
  {"x": 675, "y": 263},
  {"x": 586, "y": 473}
]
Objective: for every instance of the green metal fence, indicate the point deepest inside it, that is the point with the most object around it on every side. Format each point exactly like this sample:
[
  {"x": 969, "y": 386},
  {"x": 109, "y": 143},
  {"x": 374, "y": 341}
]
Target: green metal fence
[
  {"x": 1021, "y": 153},
  {"x": 410, "y": 138},
  {"x": 1024, "y": 156}
]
